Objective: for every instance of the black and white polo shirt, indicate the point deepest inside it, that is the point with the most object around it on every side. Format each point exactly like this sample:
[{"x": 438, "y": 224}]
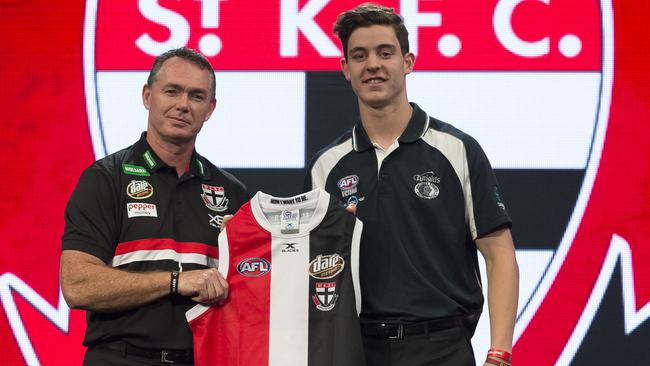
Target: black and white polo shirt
[{"x": 423, "y": 203}]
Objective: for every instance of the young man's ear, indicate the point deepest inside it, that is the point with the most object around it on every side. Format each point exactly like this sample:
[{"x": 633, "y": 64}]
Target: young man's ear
[
  {"x": 345, "y": 68},
  {"x": 409, "y": 62}
]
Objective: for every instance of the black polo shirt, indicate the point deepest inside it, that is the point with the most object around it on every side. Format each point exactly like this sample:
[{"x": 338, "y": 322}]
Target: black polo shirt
[
  {"x": 133, "y": 212},
  {"x": 422, "y": 210}
]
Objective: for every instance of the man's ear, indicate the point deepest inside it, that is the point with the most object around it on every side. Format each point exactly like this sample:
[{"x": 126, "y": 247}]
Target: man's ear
[
  {"x": 213, "y": 105},
  {"x": 146, "y": 96},
  {"x": 409, "y": 62},
  {"x": 345, "y": 68}
]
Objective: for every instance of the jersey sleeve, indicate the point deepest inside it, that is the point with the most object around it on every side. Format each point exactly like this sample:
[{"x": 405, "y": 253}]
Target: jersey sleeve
[
  {"x": 488, "y": 209},
  {"x": 91, "y": 216}
]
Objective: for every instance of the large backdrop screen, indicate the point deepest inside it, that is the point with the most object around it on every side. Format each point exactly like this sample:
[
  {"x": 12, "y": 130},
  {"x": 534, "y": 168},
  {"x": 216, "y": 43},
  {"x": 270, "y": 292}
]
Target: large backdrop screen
[{"x": 556, "y": 91}]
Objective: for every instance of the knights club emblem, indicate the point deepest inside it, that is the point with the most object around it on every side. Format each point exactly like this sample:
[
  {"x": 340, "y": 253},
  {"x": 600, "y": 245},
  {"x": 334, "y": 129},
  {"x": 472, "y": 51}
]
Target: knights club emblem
[
  {"x": 326, "y": 296},
  {"x": 214, "y": 197}
]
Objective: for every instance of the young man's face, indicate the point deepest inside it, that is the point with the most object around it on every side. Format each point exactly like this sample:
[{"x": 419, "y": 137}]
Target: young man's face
[
  {"x": 179, "y": 101},
  {"x": 376, "y": 67}
]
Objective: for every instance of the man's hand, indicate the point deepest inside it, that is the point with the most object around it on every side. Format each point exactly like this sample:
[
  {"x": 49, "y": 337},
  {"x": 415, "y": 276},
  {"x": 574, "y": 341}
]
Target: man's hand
[
  {"x": 224, "y": 222},
  {"x": 205, "y": 286}
]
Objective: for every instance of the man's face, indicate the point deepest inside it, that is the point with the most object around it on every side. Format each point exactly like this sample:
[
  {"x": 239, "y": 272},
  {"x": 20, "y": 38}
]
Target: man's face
[
  {"x": 179, "y": 101},
  {"x": 376, "y": 67}
]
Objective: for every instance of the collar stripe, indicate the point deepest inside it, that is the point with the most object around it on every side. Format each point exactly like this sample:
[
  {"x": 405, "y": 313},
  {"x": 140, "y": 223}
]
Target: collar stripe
[{"x": 148, "y": 158}]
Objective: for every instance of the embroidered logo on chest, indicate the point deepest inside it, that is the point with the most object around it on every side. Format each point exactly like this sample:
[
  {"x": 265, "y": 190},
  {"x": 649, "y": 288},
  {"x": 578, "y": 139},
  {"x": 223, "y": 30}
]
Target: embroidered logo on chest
[
  {"x": 214, "y": 197},
  {"x": 139, "y": 189},
  {"x": 425, "y": 185},
  {"x": 348, "y": 185}
]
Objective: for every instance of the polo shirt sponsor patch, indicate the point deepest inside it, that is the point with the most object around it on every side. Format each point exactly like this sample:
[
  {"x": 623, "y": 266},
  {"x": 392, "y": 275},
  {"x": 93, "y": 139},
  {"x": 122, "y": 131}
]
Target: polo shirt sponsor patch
[
  {"x": 141, "y": 209},
  {"x": 148, "y": 158},
  {"x": 139, "y": 189},
  {"x": 135, "y": 170}
]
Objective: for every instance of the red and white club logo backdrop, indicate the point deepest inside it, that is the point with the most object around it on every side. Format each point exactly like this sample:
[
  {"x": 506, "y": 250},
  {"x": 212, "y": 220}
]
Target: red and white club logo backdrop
[{"x": 544, "y": 85}]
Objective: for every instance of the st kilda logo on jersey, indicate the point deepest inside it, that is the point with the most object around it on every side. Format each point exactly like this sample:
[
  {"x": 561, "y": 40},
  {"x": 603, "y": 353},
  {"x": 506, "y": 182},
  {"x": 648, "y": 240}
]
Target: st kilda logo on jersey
[
  {"x": 139, "y": 189},
  {"x": 254, "y": 267},
  {"x": 326, "y": 296},
  {"x": 214, "y": 197},
  {"x": 326, "y": 266}
]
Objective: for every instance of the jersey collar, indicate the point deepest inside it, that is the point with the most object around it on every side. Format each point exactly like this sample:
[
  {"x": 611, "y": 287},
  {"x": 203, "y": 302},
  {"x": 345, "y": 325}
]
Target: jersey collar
[
  {"x": 416, "y": 128},
  {"x": 318, "y": 199}
]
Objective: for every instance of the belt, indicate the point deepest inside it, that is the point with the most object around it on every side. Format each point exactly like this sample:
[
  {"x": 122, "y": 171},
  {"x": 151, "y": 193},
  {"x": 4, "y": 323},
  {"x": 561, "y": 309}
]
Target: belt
[
  {"x": 161, "y": 355},
  {"x": 170, "y": 356},
  {"x": 399, "y": 331}
]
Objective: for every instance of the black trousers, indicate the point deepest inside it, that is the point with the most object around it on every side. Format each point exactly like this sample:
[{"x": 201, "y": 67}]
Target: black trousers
[
  {"x": 103, "y": 355},
  {"x": 449, "y": 347}
]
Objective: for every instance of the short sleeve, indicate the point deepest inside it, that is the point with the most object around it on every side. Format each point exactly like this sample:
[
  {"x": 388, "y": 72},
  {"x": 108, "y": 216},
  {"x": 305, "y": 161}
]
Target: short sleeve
[
  {"x": 91, "y": 219},
  {"x": 489, "y": 210}
]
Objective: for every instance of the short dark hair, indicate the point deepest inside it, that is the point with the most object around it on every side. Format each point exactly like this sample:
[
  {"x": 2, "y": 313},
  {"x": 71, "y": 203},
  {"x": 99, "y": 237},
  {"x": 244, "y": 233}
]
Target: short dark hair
[
  {"x": 186, "y": 54},
  {"x": 366, "y": 15}
]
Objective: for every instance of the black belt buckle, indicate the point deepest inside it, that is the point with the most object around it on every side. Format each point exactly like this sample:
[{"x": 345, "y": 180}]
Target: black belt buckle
[
  {"x": 393, "y": 331},
  {"x": 163, "y": 357}
]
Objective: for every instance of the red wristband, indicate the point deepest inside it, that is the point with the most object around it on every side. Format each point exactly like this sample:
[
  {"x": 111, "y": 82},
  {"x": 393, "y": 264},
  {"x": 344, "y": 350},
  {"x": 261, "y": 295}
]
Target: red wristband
[
  {"x": 496, "y": 362},
  {"x": 504, "y": 355}
]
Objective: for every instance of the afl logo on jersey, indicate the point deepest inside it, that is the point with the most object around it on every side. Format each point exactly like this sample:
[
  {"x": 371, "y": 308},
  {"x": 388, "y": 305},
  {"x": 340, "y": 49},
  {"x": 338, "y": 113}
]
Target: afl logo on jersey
[
  {"x": 326, "y": 266},
  {"x": 348, "y": 182},
  {"x": 348, "y": 185},
  {"x": 139, "y": 189},
  {"x": 254, "y": 267}
]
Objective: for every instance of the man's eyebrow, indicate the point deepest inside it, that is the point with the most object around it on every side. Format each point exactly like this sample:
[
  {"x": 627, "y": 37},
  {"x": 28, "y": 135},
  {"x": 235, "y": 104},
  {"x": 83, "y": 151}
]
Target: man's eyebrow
[
  {"x": 179, "y": 87},
  {"x": 386, "y": 46},
  {"x": 380, "y": 47},
  {"x": 198, "y": 90},
  {"x": 172, "y": 85},
  {"x": 356, "y": 49}
]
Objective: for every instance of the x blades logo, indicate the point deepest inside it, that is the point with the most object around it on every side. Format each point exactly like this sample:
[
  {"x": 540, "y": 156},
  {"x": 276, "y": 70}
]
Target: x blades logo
[{"x": 289, "y": 248}]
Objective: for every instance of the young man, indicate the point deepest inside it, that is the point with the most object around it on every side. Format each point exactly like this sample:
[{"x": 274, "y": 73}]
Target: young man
[
  {"x": 139, "y": 247},
  {"x": 428, "y": 199}
]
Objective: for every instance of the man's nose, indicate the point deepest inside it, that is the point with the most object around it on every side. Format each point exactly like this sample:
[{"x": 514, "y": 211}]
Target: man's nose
[
  {"x": 373, "y": 62},
  {"x": 182, "y": 102}
]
